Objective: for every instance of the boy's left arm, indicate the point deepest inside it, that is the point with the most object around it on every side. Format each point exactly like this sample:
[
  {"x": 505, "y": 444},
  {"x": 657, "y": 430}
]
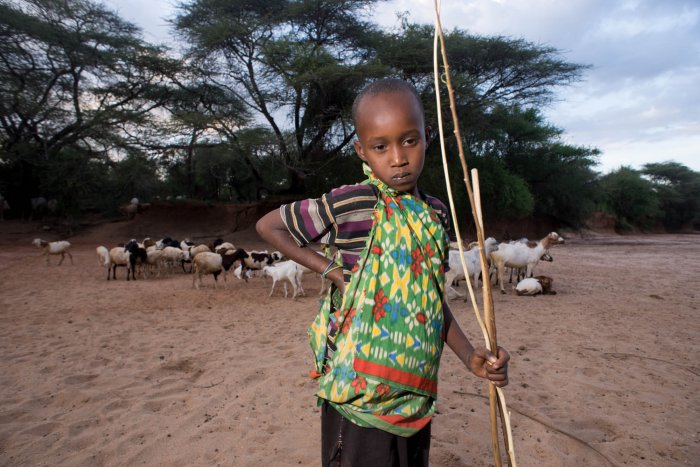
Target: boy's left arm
[{"x": 479, "y": 360}]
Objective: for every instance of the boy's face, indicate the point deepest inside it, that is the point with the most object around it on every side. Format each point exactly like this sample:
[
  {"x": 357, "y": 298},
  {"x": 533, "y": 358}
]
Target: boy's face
[{"x": 392, "y": 138}]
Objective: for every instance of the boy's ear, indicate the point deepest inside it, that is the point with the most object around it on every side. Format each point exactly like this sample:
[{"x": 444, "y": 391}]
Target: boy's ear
[
  {"x": 428, "y": 132},
  {"x": 358, "y": 150}
]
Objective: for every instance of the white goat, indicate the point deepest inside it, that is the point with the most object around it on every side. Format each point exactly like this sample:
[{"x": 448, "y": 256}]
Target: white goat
[
  {"x": 238, "y": 273},
  {"x": 207, "y": 263},
  {"x": 518, "y": 255},
  {"x": 472, "y": 259},
  {"x": 286, "y": 270},
  {"x": 535, "y": 285},
  {"x": 103, "y": 257},
  {"x": 54, "y": 248}
]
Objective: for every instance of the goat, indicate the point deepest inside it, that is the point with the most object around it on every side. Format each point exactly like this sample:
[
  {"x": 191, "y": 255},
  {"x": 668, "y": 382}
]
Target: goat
[
  {"x": 53, "y": 248},
  {"x": 472, "y": 258},
  {"x": 286, "y": 270},
  {"x": 519, "y": 255},
  {"x": 520, "y": 272},
  {"x": 535, "y": 285}
]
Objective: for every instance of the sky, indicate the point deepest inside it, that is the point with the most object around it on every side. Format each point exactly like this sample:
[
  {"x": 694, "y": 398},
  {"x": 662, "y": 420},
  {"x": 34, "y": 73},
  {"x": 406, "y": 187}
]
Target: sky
[{"x": 639, "y": 102}]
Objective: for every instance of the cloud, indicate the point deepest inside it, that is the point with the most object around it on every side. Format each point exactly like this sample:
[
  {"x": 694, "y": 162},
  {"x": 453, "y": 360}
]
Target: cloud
[
  {"x": 150, "y": 15},
  {"x": 639, "y": 101}
]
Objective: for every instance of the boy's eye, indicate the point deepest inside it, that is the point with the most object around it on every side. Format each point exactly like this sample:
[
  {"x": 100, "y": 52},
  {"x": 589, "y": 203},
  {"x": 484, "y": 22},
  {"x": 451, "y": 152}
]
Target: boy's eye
[
  {"x": 379, "y": 147},
  {"x": 410, "y": 141}
]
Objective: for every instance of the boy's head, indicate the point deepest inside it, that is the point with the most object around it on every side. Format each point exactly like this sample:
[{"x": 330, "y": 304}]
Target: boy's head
[{"x": 390, "y": 127}]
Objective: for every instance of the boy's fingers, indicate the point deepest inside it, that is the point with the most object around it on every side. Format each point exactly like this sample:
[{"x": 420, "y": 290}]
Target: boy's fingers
[
  {"x": 503, "y": 358},
  {"x": 485, "y": 354},
  {"x": 503, "y": 354}
]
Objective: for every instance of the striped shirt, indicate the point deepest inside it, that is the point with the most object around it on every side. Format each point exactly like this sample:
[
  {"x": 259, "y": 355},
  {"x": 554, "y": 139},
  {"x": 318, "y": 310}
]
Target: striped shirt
[{"x": 343, "y": 218}]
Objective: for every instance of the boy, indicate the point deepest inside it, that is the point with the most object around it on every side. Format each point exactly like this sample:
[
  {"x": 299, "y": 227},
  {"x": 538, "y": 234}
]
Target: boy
[{"x": 380, "y": 333}]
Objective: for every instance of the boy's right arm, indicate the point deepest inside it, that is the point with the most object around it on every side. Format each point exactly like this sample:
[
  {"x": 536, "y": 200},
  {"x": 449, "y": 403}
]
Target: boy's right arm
[{"x": 273, "y": 230}]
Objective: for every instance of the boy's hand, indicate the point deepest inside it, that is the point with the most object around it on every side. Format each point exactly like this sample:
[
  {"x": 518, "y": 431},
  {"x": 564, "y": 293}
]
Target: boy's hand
[
  {"x": 484, "y": 364},
  {"x": 336, "y": 276}
]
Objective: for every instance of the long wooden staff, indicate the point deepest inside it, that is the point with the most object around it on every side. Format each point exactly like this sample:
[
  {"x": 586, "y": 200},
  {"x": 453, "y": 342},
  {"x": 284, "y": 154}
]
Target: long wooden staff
[{"x": 488, "y": 322}]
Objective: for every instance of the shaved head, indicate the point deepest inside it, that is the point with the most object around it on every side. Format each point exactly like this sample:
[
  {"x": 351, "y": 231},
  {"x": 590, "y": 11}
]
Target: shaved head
[{"x": 385, "y": 86}]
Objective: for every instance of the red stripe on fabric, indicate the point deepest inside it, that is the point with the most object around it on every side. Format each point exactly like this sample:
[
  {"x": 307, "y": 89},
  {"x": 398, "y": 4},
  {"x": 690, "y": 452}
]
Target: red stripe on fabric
[
  {"x": 405, "y": 422},
  {"x": 392, "y": 374}
]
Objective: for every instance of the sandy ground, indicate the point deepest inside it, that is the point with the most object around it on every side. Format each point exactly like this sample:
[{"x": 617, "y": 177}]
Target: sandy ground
[{"x": 155, "y": 373}]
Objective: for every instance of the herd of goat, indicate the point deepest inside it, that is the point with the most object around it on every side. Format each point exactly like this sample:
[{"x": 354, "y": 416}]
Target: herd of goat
[{"x": 153, "y": 258}]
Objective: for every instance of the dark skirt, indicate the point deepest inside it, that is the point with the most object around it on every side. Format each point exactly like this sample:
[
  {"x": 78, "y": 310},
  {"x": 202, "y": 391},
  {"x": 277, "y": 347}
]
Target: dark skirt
[{"x": 344, "y": 444}]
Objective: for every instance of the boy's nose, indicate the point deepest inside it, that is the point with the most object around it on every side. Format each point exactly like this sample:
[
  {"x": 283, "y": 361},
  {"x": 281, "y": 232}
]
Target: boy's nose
[{"x": 398, "y": 157}]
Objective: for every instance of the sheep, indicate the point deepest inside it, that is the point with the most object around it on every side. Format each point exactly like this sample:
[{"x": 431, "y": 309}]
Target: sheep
[
  {"x": 195, "y": 250},
  {"x": 230, "y": 257},
  {"x": 472, "y": 258},
  {"x": 134, "y": 207},
  {"x": 192, "y": 251},
  {"x": 167, "y": 241},
  {"x": 221, "y": 247},
  {"x": 129, "y": 210},
  {"x": 286, "y": 270},
  {"x": 137, "y": 257},
  {"x": 103, "y": 257},
  {"x": 535, "y": 285},
  {"x": 260, "y": 259},
  {"x": 53, "y": 248},
  {"x": 154, "y": 259},
  {"x": 173, "y": 255},
  {"x": 118, "y": 256},
  {"x": 207, "y": 263},
  {"x": 518, "y": 255}
]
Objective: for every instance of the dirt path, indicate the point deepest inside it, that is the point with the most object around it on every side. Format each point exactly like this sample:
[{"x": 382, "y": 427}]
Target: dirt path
[{"x": 155, "y": 373}]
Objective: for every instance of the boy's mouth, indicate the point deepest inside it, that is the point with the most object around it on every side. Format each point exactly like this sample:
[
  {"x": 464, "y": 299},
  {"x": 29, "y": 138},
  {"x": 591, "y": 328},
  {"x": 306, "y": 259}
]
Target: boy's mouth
[{"x": 401, "y": 176}]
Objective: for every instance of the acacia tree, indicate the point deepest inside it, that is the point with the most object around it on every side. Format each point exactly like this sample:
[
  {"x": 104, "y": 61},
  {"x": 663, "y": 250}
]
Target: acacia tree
[
  {"x": 631, "y": 198},
  {"x": 296, "y": 64},
  {"x": 201, "y": 116},
  {"x": 72, "y": 75},
  {"x": 500, "y": 83},
  {"x": 678, "y": 189}
]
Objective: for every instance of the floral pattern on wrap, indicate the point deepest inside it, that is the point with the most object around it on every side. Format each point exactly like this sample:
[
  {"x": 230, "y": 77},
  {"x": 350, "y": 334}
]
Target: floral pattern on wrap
[{"x": 378, "y": 351}]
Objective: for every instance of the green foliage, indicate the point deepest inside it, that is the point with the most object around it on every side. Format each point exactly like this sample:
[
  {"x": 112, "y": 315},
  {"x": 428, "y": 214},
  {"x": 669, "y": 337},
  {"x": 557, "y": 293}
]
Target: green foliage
[
  {"x": 630, "y": 197},
  {"x": 76, "y": 83},
  {"x": 504, "y": 194},
  {"x": 300, "y": 58},
  {"x": 560, "y": 176},
  {"x": 260, "y": 105},
  {"x": 678, "y": 190}
]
